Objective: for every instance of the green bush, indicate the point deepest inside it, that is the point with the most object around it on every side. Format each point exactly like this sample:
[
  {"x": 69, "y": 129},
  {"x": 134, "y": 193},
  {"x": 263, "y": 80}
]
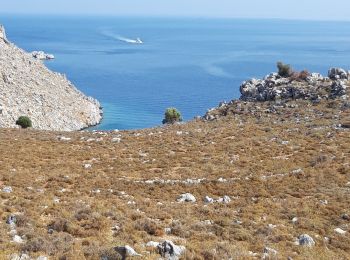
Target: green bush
[
  {"x": 171, "y": 116},
  {"x": 284, "y": 70},
  {"x": 24, "y": 122}
]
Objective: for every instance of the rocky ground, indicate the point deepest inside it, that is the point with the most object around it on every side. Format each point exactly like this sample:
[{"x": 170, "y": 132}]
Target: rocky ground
[
  {"x": 28, "y": 88},
  {"x": 255, "y": 180}
]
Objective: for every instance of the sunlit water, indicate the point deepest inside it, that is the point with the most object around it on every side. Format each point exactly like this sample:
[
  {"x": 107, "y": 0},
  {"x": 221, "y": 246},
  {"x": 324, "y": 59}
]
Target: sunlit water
[{"x": 191, "y": 64}]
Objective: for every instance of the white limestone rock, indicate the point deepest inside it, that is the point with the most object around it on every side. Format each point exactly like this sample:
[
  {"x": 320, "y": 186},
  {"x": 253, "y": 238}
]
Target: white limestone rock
[{"x": 187, "y": 197}]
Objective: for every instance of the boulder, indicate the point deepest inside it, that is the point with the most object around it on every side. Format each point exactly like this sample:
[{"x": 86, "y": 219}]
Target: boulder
[
  {"x": 269, "y": 253},
  {"x": 338, "y": 88},
  {"x": 187, "y": 197},
  {"x": 306, "y": 240},
  {"x": 126, "y": 251},
  {"x": 340, "y": 231},
  {"x": 170, "y": 251},
  {"x": 337, "y": 73},
  {"x": 40, "y": 55}
]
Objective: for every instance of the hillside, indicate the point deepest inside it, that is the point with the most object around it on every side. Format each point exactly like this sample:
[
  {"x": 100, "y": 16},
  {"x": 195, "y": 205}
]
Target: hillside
[
  {"x": 266, "y": 179},
  {"x": 28, "y": 88}
]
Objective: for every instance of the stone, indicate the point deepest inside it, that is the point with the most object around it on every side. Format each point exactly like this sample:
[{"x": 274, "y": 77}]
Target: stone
[
  {"x": 17, "y": 239},
  {"x": 337, "y": 73},
  {"x": 11, "y": 220},
  {"x": 306, "y": 240},
  {"x": 345, "y": 217},
  {"x": 225, "y": 199},
  {"x": 338, "y": 89},
  {"x": 269, "y": 252},
  {"x": 170, "y": 251},
  {"x": 116, "y": 140},
  {"x": 126, "y": 251},
  {"x": 152, "y": 244},
  {"x": 187, "y": 197},
  {"x": 207, "y": 199},
  {"x": 7, "y": 189},
  {"x": 40, "y": 55},
  {"x": 42, "y": 258},
  {"x": 19, "y": 257},
  {"x": 340, "y": 231},
  {"x": 63, "y": 138},
  {"x": 87, "y": 165}
]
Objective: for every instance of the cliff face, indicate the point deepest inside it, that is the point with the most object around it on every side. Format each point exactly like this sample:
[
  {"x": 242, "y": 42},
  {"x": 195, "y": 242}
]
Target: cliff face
[{"x": 29, "y": 88}]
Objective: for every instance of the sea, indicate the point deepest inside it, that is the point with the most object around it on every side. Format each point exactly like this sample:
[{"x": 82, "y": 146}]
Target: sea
[{"x": 188, "y": 63}]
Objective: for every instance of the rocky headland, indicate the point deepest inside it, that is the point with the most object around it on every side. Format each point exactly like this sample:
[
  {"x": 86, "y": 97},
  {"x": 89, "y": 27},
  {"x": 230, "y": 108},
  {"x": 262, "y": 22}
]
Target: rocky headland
[
  {"x": 276, "y": 91},
  {"x": 29, "y": 88}
]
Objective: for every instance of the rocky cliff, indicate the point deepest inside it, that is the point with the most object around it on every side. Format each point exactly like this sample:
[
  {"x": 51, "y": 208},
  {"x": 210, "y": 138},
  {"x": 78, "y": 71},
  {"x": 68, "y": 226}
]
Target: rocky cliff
[
  {"x": 264, "y": 95},
  {"x": 29, "y": 88}
]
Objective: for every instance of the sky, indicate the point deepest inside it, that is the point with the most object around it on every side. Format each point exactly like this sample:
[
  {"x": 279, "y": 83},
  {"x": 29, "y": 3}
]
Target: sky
[{"x": 287, "y": 9}]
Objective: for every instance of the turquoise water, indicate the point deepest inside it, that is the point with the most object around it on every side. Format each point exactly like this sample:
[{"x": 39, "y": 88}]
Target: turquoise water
[{"x": 191, "y": 64}]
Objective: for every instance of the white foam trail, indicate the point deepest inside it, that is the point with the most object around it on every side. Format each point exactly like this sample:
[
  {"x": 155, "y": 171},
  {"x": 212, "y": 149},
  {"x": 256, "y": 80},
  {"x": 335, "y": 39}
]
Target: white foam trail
[{"x": 121, "y": 38}]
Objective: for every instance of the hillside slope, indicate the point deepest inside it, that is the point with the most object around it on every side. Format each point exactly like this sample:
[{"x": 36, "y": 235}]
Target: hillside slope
[
  {"x": 28, "y": 88},
  {"x": 270, "y": 180}
]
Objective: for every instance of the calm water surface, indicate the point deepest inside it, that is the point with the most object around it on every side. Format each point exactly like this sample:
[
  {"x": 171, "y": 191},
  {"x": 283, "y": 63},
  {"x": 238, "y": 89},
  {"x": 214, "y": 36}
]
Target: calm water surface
[{"x": 191, "y": 64}]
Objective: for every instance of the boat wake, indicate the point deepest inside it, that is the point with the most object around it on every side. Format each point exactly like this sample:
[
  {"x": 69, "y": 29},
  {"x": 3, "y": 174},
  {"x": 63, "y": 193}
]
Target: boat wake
[{"x": 123, "y": 39}]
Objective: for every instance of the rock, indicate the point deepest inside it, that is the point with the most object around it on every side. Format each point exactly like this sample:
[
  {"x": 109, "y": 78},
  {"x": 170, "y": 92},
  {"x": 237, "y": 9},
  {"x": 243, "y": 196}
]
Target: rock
[
  {"x": 87, "y": 165},
  {"x": 207, "y": 199},
  {"x": 338, "y": 89},
  {"x": 7, "y": 189},
  {"x": 152, "y": 244},
  {"x": 170, "y": 251},
  {"x": 340, "y": 231},
  {"x": 225, "y": 199},
  {"x": 345, "y": 217},
  {"x": 337, "y": 73},
  {"x": 63, "y": 138},
  {"x": 306, "y": 240},
  {"x": 295, "y": 220},
  {"x": 19, "y": 257},
  {"x": 116, "y": 140},
  {"x": 126, "y": 251},
  {"x": 187, "y": 197},
  {"x": 40, "y": 55},
  {"x": 269, "y": 252},
  {"x": 11, "y": 220},
  {"x": 42, "y": 258},
  {"x": 29, "y": 88},
  {"x": 17, "y": 239}
]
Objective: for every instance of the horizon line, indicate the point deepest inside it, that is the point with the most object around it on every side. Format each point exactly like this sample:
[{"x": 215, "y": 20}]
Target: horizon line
[{"x": 108, "y": 15}]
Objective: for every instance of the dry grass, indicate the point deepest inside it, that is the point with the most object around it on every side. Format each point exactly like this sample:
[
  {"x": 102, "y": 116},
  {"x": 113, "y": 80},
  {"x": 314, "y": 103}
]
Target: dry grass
[{"x": 68, "y": 211}]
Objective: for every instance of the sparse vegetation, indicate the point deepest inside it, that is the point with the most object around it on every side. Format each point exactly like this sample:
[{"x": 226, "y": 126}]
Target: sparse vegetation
[
  {"x": 24, "y": 122},
  {"x": 284, "y": 179},
  {"x": 171, "y": 116},
  {"x": 284, "y": 70}
]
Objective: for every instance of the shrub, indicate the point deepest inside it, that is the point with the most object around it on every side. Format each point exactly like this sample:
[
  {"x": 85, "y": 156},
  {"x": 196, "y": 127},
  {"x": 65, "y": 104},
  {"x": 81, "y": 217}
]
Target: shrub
[
  {"x": 24, "y": 122},
  {"x": 304, "y": 74},
  {"x": 284, "y": 70},
  {"x": 171, "y": 116}
]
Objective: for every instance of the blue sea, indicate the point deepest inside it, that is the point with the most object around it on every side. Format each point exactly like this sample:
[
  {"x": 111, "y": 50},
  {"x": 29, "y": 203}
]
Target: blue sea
[{"x": 190, "y": 64}]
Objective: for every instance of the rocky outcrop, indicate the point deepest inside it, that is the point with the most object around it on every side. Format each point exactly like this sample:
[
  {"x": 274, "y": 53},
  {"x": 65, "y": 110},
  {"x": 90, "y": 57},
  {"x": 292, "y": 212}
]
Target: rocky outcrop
[
  {"x": 40, "y": 55},
  {"x": 338, "y": 73},
  {"x": 275, "y": 91},
  {"x": 275, "y": 87},
  {"x": 29, "y": 88}
]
